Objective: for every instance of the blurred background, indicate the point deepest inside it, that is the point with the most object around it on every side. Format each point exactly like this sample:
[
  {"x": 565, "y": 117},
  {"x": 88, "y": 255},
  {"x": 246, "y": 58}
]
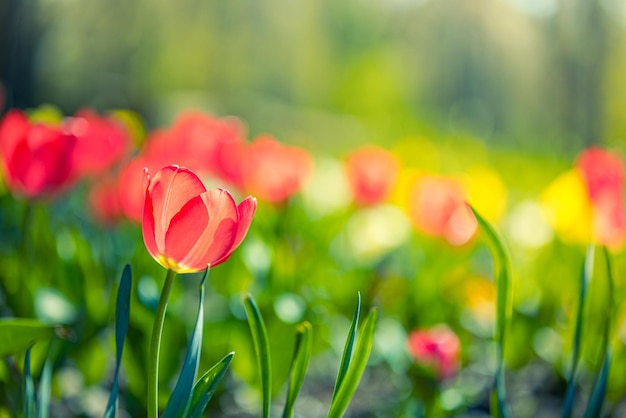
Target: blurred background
[
  {"x": 502, "y": 95},
  {"x": 537, "y": 75}
]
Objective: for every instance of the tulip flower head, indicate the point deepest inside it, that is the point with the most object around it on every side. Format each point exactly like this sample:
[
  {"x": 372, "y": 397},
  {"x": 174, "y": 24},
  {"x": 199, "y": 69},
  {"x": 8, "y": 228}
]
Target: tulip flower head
[
  {"x": 603, "y": 174},
  {"x": 372, "y": 172},
  {"x": 35, "y": 158},
  {"x": 437, "y": 348},
  {"x": 273, "y": 171},
  {"x": 187, "y": 228},
  {"x": 101, "y": 142},
  {"x": 437, "y": 207}
]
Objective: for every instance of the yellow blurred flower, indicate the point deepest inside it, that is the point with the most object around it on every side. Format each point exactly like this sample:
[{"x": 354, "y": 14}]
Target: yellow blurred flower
[
  {"x": 486, "y": 192},
  {"x": 567, "y": 208}
]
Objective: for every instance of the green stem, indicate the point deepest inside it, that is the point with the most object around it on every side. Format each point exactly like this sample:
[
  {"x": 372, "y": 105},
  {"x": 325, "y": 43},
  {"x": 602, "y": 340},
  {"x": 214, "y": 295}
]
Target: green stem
[{"x": 155, "y": 347}]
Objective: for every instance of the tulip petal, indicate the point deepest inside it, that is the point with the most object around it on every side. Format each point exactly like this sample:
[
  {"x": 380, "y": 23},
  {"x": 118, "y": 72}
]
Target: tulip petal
[
  {"x": 13, "y": 129},
  {"x": 245, "y": 211},
  {"x": 147, "y": 228},
  {"x": 217, "y": 212},
  {"x": 170, "y": 189}
]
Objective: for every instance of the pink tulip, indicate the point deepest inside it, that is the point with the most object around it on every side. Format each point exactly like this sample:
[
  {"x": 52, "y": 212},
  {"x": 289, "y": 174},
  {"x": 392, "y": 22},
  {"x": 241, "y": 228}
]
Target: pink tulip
[{"x": 437, "y": 348}]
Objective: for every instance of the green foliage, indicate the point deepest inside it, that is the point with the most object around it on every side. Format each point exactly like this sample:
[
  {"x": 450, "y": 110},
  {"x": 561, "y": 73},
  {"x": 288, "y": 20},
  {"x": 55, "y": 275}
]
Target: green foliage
[{"x": 17, "y": 334}]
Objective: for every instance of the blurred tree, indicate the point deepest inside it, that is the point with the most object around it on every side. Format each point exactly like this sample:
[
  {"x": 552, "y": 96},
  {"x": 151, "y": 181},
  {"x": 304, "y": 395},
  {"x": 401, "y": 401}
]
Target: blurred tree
[{"x": 19, "y": 35}]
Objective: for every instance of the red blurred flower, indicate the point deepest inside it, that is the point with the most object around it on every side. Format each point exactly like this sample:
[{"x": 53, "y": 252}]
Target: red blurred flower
[
  {"x": 187, "y": 228},
  {"x": 131, "y": 184},
  {"x": 273, "y": 171},
  {"x": 603, "y": 173},
  {"x": 372, "y": 172},
  {"x": 101, "y": 142},
  {"x": 104, "y": 200},
  {"x": 437, "y": 348},
  {"x": 201, "y": 142},
  {"x": 36, "y": 158},
  {"x": 437, "y": 207}
]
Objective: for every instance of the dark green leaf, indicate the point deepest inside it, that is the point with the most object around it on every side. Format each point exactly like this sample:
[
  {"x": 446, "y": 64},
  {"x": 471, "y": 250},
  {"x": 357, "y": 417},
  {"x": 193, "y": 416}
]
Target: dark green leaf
[
  {"x": 570, "y": 395},
  {"x": 205, "y": 387},
  {"x": 299, "y": 364},
  {"x": 262, "y": 349},
  {"x": 122, "y": 316},
  {"x": 181, "y": 396},
  {"x": 594, "y": 407},
  {"x": 29, "y": 388}
]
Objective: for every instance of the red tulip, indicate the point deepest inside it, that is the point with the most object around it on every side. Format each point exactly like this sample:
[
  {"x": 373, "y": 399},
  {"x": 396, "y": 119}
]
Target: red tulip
[
  {"x": 437, "y": 207},
  {"x": 372, "y": 172},
  {"x": 187, "y": 228},
  {"x": 273, "y": 171},
  {"x": 36, "y": 158},
  {"x": 101, "y": 142},
  {"x": 201, "y": 142},
  {"x": 603, "y": 173},
  {"x": 104, "y": 200},
  {"x": 437, "y": 348}
]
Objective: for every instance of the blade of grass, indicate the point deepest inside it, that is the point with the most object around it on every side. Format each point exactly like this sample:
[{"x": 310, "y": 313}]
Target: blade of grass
[
  {"x": 352, "y": 377},
  {"x": 262, "y": 349},
  {"x": 29, "y": 388},
  {"x": 180, "y": 398},
  {"x": 299, "y": 364},
  {"x": 205, "y": 387},
  {"x": 503, "y": 269},
  {"x": 122, "y": 316},
  {"x": 346, "y": 358},
  {"x": 570, "y": 394}
]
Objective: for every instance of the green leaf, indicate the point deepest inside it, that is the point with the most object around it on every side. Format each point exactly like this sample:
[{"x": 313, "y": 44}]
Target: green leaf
[
  {"x": 503, "y": 269},
  {"x": 346, "y": 358},
  {"x": 205, "y": 387},
  {"x": 598, "y": 393},
  {"x": 180, "y": 399},
  {"x": 299, "y": 364},
  {"x": 17, "y": 334},
  {"x": 45, "y": 380},
  {"x": 596, "y": 401},
  {"x": 122, "y": 316},
  {"x": 262, "y": 349},
  {"x": 29, "y": 388},
  {"x": 352, "y": 377},
  {"x": 585, "y": 279}
]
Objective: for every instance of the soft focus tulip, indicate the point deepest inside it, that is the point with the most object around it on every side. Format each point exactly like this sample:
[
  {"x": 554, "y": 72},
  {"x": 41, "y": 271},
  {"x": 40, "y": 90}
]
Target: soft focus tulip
[
  {"x": 372, "y": 172},
  {"x": 273, "y": 171},
  {"x": 187, "y": 228},
  {"x": 202, "y": 143},
  {"x": 101, "y": 142},
  {"x": 437, "y": 207},
  {"x": 104, "y": 200},
  {"x": 603, "y": 174},
  {"x": 437, "y": 348},
  {"x": 36, "y": 158}
]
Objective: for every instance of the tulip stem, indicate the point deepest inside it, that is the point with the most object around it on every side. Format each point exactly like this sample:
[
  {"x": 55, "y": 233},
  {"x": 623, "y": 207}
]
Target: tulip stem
[{"x": 155, "y": 347}]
